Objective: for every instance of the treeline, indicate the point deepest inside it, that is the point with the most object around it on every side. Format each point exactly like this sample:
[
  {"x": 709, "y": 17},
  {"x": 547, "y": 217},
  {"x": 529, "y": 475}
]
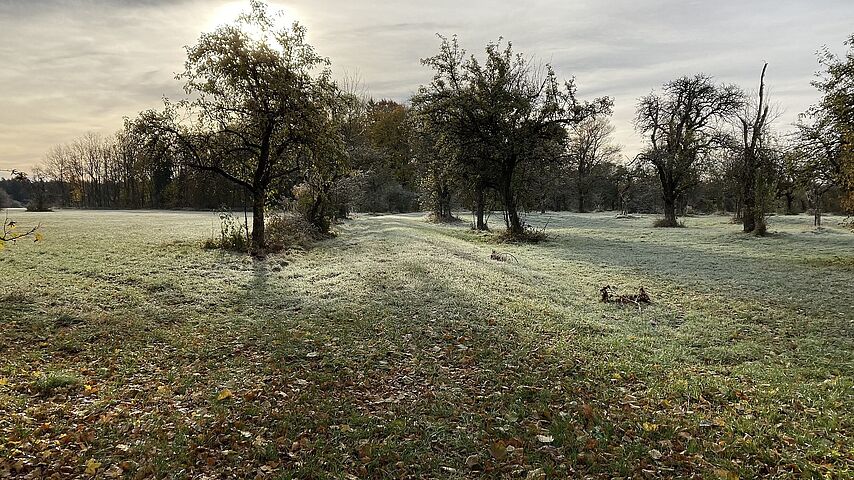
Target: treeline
[{"x": 264, "y": 124}]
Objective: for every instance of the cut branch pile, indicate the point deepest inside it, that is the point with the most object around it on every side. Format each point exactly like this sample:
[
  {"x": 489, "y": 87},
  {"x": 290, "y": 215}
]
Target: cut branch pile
[
  {"x": 502, "y": 257},
  {"x": 608, "y": 296}
]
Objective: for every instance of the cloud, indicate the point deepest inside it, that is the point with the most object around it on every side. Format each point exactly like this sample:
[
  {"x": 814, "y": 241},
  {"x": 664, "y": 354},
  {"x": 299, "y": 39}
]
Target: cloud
[{"x": 77, "y": 65}]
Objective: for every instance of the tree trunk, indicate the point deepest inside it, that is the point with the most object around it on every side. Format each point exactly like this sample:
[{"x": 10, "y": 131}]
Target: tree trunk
[
  {"x": 316, "y": 215},
  {"x": 748, "y": 216},
  {"x": 259, "y": 243},
  {"x": 669, "y": 211},
  {"x": 581, "y": 206},
  {"x": 817, "y": 210},
  {"x": 442, "y": 209},
  {"x": 668, "y": 194},
  {"x": 790, "y": 198},
  {"x": 479, "y": 210},
  {"x": 511, "y": 214}
]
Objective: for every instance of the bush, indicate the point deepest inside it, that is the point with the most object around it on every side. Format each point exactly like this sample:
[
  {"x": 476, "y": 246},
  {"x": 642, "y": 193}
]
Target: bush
[
  {"x": 289, "y": 230},
  {"x": 665, "y": 223},
  {"x": 379, "y": 192},
  {"x": 319, "y": 208},
  {"x": 5, "y": 199},
  {"x": 233, "y": 235},
  {"x": 283, "y": 230},
  {"x": 529, "y": 235}
]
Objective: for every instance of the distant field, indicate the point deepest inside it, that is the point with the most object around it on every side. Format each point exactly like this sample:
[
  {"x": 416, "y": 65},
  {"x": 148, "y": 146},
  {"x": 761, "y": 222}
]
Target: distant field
[{"x": 398, "y": 349}]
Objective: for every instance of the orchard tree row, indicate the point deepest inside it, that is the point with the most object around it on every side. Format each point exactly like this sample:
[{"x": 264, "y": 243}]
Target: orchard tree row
[{"x": 264, "y": 125}]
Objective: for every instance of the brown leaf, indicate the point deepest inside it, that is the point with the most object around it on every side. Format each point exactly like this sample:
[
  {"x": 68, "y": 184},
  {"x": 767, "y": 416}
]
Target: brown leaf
[{"x": 498, "y": 450}]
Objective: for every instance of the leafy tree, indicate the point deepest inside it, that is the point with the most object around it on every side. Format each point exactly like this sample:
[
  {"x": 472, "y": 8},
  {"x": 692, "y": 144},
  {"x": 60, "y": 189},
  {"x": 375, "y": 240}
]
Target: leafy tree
[
  {"x": 681, "y": 125},
  {"x": 5, "y": 199},
  {"x": 259, "y": 102},
  {"x": 833, "y": 117},
  {"x": 337, "y": 143},
  {"x": 40, "y": 197},
  {"x": 437, "y": 163},
  {"x": 385, "y": 176},
  {"x": 389, "y": 133},
  {"x": 499, "y": 114}
]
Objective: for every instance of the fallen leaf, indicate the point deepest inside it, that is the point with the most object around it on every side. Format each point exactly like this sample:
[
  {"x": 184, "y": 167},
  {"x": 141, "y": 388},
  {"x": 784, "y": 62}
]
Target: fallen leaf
[
  {"x": 655, "y": 454},
  {"x": 536, "y": 474},
  {"x": 725, "y": 474},
  {"x": 92, "y": 466},
  {"x": 226, "y": 393},
  {"x": 545, "y": 438},
  {"x": 498, "y": 450},
  {"x": 114, "y": 472},
  {"x": 587, "y": 410}
]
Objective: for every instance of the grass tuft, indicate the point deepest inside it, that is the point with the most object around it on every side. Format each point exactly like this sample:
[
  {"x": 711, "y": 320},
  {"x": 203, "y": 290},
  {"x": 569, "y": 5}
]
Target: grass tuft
[{"x": 51, "y": 383}]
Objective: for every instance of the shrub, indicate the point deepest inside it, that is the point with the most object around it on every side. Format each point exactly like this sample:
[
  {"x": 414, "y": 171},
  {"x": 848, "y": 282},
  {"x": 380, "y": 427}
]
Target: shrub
[
  {"x": 5, "y": 199},
  {"x": 287, "y": 230},
  {"x": 319, "y": 207},
  {"x": 529, "y": 235},
  {"x": 665, "y": 223},
  {"x": 233, "y": 235},
  {"x": 38, "y": 207}
]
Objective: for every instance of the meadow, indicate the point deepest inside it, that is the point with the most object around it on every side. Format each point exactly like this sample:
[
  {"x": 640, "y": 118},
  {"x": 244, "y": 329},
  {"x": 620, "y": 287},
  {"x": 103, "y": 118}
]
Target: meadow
[{"x": 399, "y": 349}]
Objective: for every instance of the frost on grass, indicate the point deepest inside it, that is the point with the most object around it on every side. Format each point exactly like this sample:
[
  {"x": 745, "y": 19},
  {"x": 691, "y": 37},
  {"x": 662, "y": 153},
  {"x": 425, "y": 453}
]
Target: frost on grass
[{"x": 400, "y": 349}]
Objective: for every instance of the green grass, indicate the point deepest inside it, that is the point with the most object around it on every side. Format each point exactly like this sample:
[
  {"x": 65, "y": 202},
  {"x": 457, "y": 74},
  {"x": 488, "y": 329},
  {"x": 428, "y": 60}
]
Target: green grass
[
  {"x": 50, "y": 383},
  {"x": 398, "y": 349}
]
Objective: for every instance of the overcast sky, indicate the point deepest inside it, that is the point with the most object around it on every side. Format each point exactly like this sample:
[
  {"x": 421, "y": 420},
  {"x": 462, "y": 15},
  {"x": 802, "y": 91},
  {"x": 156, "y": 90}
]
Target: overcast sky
[{"x": 72, "y": 66}]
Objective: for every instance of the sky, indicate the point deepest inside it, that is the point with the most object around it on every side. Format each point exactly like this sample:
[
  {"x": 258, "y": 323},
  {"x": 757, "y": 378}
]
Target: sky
[{"x": 68, "y": 67}]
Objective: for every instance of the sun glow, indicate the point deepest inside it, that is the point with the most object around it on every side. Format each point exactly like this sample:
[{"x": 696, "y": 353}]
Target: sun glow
[{"x": 228, "y": 13}]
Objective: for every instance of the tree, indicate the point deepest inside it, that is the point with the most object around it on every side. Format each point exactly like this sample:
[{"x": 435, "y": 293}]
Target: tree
[
  {"x": 834, "y": 116},
  {"x": 590, "y": 144},
  {"x": 331, "y": 155},
  {"x": 383, "y": 161},
  {"x": 500, "y": 114},
  {"x": 681, "y": 127},
  {"x": 445, "y": 116},
  {"x": 436, "y": 162},
  {"x": 259, "y": 98},
  {"x": 820, "y": 151},
  {"x": 39, "y": 198},
  {"x": 788, "y": 177},
  {"x": 5, "y": 200},
  {"x": 753, "y": 123}
]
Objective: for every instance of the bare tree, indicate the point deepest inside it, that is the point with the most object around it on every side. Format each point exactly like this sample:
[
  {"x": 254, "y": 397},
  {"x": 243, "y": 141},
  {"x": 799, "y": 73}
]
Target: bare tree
[
  {"x": 590, "y": 144},
  {"x": 819, "y": 150},
  {"x": 681, "y": 126},
  {"x": 753, "y": 125}
]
